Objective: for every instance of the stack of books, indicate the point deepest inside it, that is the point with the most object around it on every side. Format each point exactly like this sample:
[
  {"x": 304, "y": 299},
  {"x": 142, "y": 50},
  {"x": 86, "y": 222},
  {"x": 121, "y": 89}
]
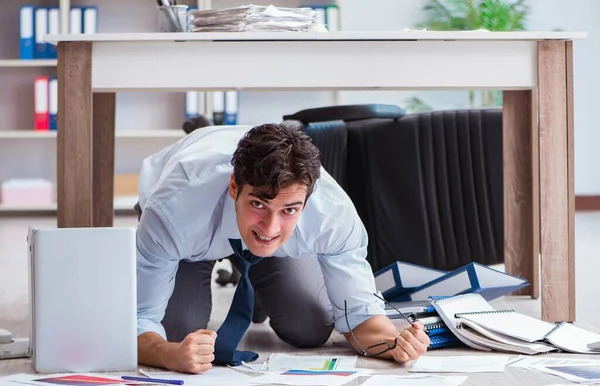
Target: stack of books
[
  {"x": 254, "y": 18},
  {"x": 440, "y": 335}
]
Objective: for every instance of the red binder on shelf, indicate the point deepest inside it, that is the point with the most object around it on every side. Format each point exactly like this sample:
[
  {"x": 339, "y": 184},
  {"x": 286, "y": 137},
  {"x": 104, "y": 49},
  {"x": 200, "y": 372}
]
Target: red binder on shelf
[{"x": 42, "y": 115}]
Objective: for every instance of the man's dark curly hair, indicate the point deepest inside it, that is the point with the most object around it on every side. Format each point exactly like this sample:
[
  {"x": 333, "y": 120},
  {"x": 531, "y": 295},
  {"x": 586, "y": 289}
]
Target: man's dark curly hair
[{"x": 271, "y": 157}]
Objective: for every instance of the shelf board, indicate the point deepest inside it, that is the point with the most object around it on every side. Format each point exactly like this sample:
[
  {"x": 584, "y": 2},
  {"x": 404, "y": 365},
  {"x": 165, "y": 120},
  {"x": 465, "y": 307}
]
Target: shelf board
[
  {"x": 122, "y": 205},
  {"x": 139, "y": 134},
  {"x": 28, "y": 63}
]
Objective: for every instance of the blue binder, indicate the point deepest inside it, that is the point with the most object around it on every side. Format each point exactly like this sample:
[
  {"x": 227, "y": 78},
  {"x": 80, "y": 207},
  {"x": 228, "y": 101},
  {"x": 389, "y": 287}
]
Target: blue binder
[
  {"x": 442, "y": 341},
  {"x": 53, "y": 102},
  {"x": 400, "y": 278},
  {"x": 27, "y": 32},
  {"x": 42, "y": 50},
  {"x": 472, "y": 278}
]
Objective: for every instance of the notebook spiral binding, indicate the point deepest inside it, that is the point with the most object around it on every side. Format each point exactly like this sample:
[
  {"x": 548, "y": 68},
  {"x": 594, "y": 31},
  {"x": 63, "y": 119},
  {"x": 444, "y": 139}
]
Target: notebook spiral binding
[
  {"x": 434, "y": 326},
  {"x": 431, "y": 298},
  {"x": 458, "y": 315}
]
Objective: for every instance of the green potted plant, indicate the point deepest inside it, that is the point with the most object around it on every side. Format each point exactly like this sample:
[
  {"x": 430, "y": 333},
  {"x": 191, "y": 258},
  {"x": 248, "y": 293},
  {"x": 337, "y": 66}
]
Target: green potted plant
[{"x": 492, "y": 15}]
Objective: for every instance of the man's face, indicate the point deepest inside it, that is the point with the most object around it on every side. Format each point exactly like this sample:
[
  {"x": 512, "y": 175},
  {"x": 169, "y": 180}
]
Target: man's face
[{"x": 266, "y": 224}]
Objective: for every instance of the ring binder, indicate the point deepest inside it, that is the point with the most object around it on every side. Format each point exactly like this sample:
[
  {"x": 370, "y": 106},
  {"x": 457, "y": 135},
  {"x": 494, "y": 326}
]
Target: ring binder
[{"x": 441, "y": 341}]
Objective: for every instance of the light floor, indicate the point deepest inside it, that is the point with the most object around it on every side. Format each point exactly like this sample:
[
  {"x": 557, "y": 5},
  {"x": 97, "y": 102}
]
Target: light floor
[{"x": 260, "y": 338}]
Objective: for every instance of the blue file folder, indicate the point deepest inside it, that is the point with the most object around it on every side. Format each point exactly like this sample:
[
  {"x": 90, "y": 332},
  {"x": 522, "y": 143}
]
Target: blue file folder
[
  {"x": 400, "y": 278},
  {"x": 472, "y": 278},
  {"x": 27, "y": 32}
]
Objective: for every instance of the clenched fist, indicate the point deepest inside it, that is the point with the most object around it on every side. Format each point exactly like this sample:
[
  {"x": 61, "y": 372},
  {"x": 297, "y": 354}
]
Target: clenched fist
[
  {"x": 412, "y": 343},
  {"x": 194, "y": 354}
]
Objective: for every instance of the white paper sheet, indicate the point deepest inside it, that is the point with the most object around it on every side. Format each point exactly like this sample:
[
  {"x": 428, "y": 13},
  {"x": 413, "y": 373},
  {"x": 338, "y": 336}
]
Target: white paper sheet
[
  {"x": 281, "y": 379},
  {"x": 217, "y": 376},
  {"x": 573, "y": 373},
  {"x": 573, "y": 339},
  {"x": 461, "y": 364},
  {"x": 526, "y": 362},
  {"x": 284, "y": 362},
  {"x": 415, "y": 380}
]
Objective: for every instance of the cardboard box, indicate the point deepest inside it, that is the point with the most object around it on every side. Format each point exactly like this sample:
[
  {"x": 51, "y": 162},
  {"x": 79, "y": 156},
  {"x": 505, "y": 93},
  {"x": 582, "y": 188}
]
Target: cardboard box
[{"x": 126, "y": 185}]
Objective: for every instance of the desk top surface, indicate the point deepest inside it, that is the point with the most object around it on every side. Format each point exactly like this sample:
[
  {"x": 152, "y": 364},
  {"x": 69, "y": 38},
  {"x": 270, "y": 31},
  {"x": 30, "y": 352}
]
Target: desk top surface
[{"x": 320, "y": 36}]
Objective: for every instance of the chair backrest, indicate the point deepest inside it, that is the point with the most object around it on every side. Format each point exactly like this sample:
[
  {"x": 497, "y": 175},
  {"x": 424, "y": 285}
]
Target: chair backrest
[{"x": 427, "y": 186}]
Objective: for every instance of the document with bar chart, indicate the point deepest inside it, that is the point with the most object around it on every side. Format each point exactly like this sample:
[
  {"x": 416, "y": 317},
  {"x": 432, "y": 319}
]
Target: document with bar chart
[{"x": 285, "y": 362}]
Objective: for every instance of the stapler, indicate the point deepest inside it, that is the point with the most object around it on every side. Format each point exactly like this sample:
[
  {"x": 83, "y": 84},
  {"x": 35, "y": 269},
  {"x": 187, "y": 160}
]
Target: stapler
[{"x": 12, "y": 348}]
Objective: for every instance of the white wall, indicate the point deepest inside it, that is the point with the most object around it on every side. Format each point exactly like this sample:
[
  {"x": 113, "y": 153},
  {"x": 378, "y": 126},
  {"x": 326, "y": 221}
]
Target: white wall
[
  {"x": 578, "y": 15},
  {"x": 165, "y": 110}
]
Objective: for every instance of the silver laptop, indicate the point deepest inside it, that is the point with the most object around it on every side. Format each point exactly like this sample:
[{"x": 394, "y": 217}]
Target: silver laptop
[{"x": 83, "y": 299}]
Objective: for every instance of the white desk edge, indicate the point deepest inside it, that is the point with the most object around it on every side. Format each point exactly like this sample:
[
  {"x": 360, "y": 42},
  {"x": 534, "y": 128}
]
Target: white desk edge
[{"x": 318, "y": 36}]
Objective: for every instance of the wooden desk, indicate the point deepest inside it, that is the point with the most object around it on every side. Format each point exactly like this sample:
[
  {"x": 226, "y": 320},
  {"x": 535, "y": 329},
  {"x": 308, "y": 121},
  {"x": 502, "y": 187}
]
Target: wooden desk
[{"x": 535, "y": 70}]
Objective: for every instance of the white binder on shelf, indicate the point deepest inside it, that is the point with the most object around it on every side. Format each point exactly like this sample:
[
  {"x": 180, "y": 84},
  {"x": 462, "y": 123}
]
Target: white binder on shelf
[
  {"x": 26, "y": 32},
  {"x": 332, "y": 18},
  {"x": 53, "y": 28},
  {"x": 231, "y": 107},
  {"x": 53, "y": 102},
  {"x": 41, "y": 115},
  {"x": 218, "y": 107},
  {"x": 75, "y": 20},
  {"x": 41, "y": 29},
  {"x": 90, "y": 20},
  {"x": 191, "y": 104}
]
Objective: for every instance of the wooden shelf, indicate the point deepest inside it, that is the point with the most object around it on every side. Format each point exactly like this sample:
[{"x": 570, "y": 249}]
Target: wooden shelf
[
  {"x": 27, "y": 63},
  {"x": 138, "y": 134}
]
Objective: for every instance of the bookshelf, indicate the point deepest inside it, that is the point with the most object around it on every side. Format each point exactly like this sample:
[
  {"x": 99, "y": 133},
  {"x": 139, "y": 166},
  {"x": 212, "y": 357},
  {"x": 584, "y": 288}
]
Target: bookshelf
[{"x": 145, "y": 122}]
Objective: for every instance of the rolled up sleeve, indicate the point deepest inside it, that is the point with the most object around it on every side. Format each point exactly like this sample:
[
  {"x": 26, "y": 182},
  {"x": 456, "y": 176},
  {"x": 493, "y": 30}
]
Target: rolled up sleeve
[
  {"x": 158, "y": 255},
  {"x": 347, "y": 274}
]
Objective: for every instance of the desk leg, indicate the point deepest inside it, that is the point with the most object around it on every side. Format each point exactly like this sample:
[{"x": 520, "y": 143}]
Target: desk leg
[
  {"x": 555, "y": 98},
  {"x": 74, "y": 135},
  {"x": 521, "y": 193},
  {"x": 103, "y": 159}
]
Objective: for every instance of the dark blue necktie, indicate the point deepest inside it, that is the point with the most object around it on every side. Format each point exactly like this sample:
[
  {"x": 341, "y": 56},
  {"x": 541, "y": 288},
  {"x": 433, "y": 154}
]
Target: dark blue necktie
[{"x": 239, "y": 317}]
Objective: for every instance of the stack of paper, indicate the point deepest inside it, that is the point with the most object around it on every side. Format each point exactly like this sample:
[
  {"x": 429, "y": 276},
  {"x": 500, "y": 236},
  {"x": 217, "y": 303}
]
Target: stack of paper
[
  {"x": 254, "y": 18},
  {"x": 461, "y": 364}
]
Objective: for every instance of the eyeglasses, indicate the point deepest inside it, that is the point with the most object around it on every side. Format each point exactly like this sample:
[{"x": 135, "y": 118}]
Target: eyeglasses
[{"x": 376, "y": 349}]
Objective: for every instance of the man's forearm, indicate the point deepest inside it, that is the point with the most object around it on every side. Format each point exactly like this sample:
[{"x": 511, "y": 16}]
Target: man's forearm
[
  {"x": 153, "y": 350},
  {"x": 375, "y": 330}
]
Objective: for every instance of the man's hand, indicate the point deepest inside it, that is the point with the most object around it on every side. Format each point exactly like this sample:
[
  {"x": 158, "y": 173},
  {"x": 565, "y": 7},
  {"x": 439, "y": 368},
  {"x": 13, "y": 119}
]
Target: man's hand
[
  {"x": 194, "y": 354},
  {"x": 412, "y": 343}
]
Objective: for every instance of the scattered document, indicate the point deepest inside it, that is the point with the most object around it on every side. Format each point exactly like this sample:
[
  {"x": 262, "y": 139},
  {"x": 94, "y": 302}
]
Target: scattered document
[
  {"x": 573, "y": 339},
  {"x": 284, "y": 362},
  {"x": 528, "y": 362},
  {"x": 461, "y": 364},
  {"x": 573, "y": 373},
  {"x": 415, "y": 380},
  {"x": 292, "y": 378},
  {"x": 217, "y": 376}
]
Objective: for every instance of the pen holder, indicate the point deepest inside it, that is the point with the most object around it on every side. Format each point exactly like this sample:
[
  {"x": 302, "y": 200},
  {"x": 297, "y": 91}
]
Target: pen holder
[{"x": 172, "y": 18}]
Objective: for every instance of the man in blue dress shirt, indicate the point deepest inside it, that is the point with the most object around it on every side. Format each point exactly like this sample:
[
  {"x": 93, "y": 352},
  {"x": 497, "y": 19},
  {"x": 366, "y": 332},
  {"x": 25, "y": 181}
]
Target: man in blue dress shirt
[{"x": 264, "y": 186}]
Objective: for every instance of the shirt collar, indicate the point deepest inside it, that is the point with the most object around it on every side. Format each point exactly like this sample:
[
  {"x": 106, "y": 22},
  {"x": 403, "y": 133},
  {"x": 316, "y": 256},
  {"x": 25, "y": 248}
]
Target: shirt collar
[{"x": 229, "y": 228}]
